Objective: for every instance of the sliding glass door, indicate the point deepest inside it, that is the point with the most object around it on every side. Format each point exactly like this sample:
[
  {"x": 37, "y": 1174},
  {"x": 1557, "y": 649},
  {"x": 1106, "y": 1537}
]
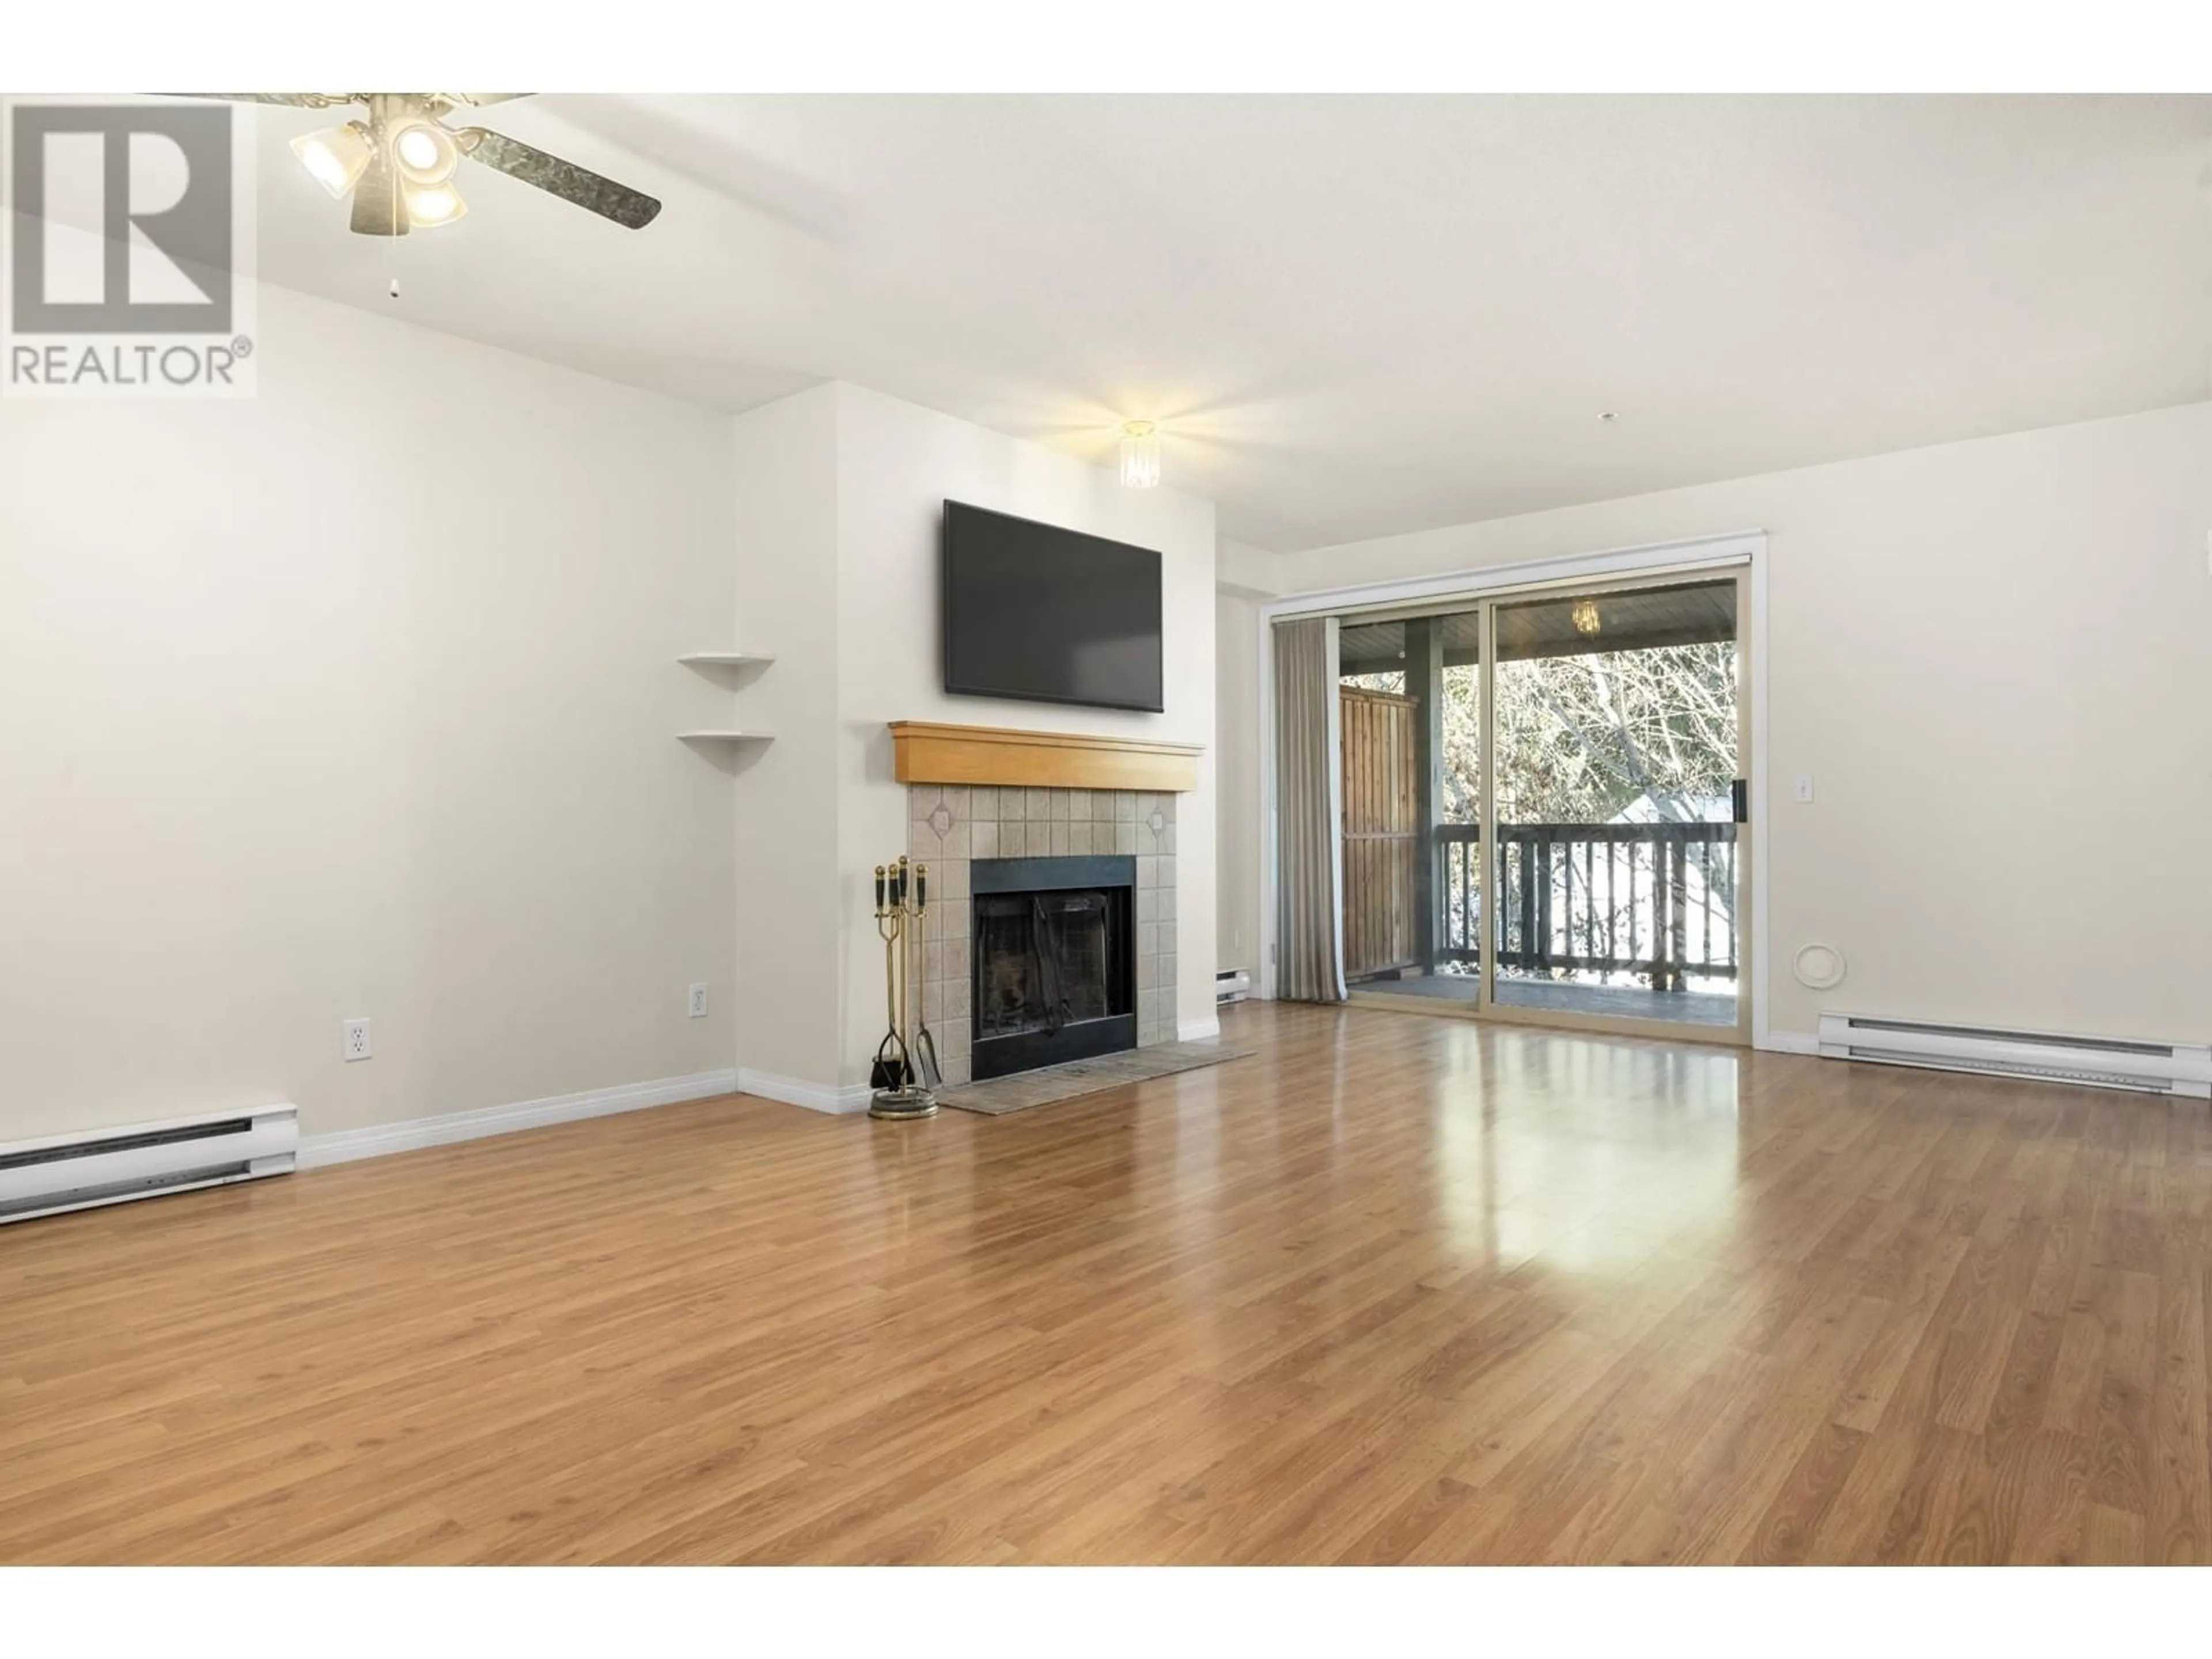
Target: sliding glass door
[
  {"x": 1617, "y": 727},
  {"x": 1542, "y": 806}
]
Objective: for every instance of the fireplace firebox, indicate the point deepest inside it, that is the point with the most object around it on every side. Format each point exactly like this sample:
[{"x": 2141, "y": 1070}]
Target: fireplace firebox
[{"x": 1054, "y": 969}]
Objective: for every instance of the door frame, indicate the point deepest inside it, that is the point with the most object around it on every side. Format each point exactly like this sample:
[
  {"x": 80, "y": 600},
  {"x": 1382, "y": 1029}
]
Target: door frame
[{"x": 1743, "y": 550}]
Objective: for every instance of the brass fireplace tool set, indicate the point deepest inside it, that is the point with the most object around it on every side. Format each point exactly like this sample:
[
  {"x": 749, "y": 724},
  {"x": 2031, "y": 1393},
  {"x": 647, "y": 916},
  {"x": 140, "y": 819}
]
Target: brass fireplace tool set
[{"x": 906, "y": 1065}]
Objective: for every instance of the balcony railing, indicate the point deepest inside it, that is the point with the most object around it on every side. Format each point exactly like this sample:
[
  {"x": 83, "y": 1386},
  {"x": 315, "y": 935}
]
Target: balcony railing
[{"x": 1656, "y": 900}]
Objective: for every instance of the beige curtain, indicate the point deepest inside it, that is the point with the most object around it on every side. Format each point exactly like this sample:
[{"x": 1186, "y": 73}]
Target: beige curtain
[{"x": 1310, "y": 882}]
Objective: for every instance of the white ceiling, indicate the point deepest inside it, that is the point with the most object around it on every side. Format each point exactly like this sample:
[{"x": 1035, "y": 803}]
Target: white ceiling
[{"x": 1354, "y": 316}]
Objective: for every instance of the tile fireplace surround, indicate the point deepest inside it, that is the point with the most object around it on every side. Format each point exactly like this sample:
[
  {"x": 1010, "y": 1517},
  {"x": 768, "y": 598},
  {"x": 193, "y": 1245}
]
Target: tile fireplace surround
[{"x": 948, "y": 825}]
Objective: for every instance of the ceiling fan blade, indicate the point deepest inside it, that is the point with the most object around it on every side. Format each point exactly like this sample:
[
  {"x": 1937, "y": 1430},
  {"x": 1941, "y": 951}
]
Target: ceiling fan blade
[
  {"x": 293, "y": 100},
  {"x": 378, "y": 209},
  {"x": 632, "y": 209},
  {"x": 476, "y": 100}
]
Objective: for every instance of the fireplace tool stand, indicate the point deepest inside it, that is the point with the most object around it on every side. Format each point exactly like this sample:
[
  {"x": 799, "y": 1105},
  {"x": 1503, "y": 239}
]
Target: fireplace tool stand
[{"x": 902, "y": 897}]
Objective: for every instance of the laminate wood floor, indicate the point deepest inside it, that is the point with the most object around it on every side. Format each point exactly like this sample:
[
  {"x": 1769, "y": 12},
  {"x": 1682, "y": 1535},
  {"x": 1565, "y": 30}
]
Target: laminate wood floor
[{"x": 1395, "y": 1289}]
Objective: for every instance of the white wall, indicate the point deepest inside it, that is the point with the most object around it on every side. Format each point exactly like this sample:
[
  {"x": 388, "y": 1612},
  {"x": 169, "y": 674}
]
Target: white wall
[
  {"x": 1240, "y": 572},
  {"x": 358, "y": 698},
  {"x": 789, "y": 946},
  {"x": 1996, "y": 659}
]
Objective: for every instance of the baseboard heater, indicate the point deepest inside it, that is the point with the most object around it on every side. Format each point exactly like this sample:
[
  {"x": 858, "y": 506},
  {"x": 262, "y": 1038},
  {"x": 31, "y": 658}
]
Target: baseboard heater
[
  {"x": 2154, "y": 1068},
  {"x": 1231, "y": 985},
  {"x": 111, "y": 1166}
]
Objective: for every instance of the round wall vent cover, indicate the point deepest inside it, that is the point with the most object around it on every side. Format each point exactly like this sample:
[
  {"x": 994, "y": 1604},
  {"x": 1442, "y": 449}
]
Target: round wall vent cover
[{"x": 1817, "y": 967}]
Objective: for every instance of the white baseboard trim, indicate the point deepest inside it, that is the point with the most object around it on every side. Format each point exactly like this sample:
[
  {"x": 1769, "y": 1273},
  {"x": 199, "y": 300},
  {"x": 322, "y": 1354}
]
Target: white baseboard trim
[
  {"x": 797, "y": 1092},
  {"x": 1789, "y": 1042},
  {"x": 344, "y": 1145},
  {"x": 1198, "y": 1030}
]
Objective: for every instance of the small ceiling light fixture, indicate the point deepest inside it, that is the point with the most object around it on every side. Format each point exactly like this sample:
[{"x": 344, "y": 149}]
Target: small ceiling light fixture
[
  {"x": 1586, "y": 617},
  {"x": 1608, "y": 415},
  {"x": 424, "y": 152},
  {"x": 431, "y": 205},
  {"x": 1140, "y": 454},
  {"x": 334, "y": 158}
]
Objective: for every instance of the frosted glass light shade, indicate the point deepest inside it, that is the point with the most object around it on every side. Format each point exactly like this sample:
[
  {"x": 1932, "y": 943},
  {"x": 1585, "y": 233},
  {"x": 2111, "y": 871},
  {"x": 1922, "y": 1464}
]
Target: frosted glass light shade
[
  {"x": 424, "y": 152},
  {"x": 335, "y": 158},
  {"x": 429, "y": 206},
  {"x": 1140, "y": 454}
]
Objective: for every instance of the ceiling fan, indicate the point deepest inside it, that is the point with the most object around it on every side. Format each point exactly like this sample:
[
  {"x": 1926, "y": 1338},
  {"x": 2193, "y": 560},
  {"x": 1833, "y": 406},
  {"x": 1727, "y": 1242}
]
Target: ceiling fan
[{"x": 399, "y": 163}]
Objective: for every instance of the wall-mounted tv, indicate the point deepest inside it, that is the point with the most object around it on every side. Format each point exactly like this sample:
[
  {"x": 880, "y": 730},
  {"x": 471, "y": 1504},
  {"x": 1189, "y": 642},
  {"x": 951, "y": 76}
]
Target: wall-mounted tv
[{"x": 1039, "y": 614}]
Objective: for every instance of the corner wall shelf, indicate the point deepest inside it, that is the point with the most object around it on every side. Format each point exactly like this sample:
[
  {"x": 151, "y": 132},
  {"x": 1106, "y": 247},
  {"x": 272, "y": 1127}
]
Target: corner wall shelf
[{"x": 709, "y": 661}]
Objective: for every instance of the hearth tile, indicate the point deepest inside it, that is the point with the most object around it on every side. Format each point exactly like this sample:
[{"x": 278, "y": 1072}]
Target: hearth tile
[{"x": 983, "y": 839}]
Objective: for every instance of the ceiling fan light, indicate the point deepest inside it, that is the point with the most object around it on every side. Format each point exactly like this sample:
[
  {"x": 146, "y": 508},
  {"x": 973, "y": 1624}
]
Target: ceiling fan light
[
  {"x": 334, "y": 158},
  {"x": 429, "y": 206},
  {"x": 1140, "y": 454},
  {"x": 424, "y": 152}
]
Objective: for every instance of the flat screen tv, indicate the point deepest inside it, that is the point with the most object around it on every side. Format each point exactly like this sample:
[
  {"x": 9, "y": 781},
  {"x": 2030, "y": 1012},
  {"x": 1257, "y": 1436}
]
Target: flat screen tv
[{"x": 1039, "y": 614}]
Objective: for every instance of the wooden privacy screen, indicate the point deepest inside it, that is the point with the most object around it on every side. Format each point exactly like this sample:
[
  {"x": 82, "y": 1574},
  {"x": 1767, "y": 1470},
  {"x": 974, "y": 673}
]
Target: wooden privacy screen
[{"x": 1383, "y": 834}]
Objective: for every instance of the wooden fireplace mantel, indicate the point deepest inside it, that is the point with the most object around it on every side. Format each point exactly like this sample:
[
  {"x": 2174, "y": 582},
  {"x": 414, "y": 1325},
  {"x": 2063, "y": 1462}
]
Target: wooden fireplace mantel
[{"x": 929, "y": 753}]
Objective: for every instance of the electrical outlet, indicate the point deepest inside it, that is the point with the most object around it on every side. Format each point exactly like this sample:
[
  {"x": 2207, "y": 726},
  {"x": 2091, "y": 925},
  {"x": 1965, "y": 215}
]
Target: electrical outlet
[
  {"x": 356, "y": 1040},
  {"x": 698, "y": 1002}
]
